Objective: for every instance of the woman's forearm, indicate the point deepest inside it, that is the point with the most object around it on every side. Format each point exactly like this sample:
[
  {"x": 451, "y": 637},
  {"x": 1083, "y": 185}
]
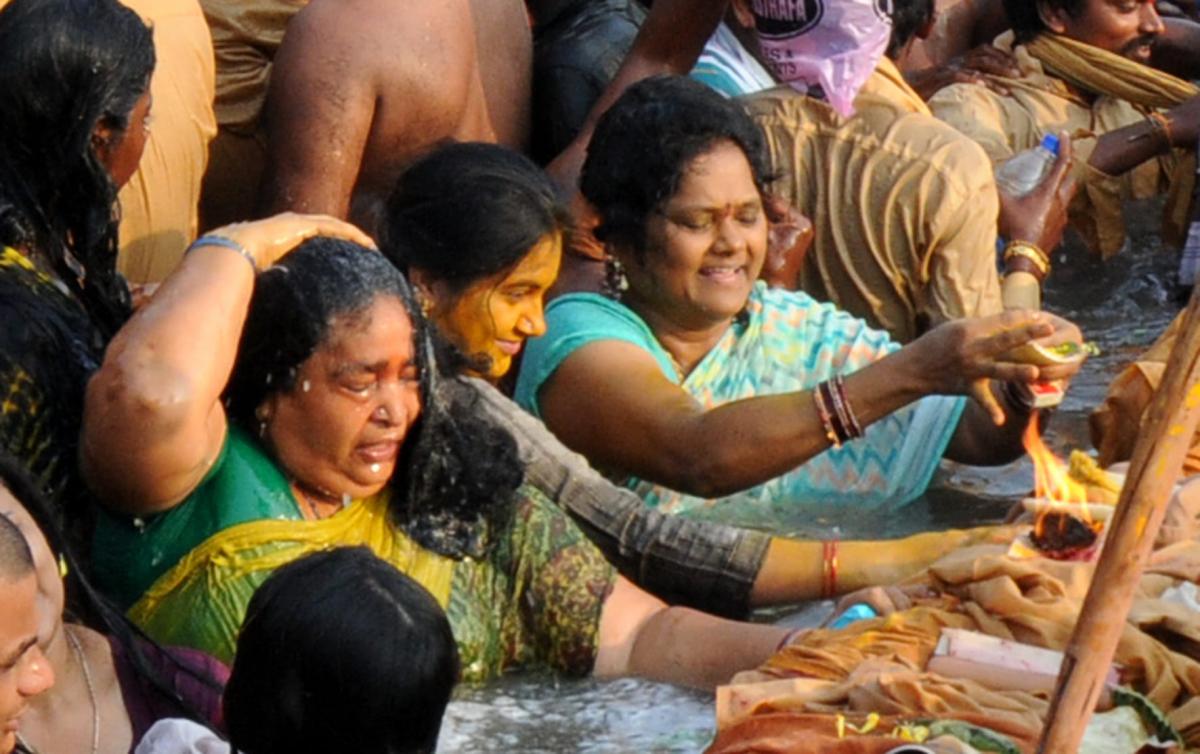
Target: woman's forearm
[
  {"x": 795, "y": 570},
  {"x": 741, "y": 444},
  {"x": 690, "y": 648},
  {"x": 639, "y": 635}
]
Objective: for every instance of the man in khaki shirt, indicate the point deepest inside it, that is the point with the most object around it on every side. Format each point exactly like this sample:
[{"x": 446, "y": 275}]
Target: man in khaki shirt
[
  {"x": 903, "y": 207},
  {"x": 1120, "y": 156}
]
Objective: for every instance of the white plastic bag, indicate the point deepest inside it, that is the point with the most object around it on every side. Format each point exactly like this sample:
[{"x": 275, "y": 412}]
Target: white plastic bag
[{"x": 833, "y": 44}]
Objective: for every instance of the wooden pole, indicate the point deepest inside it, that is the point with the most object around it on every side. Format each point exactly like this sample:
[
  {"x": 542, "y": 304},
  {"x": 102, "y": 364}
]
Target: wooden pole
[{"x": 1157, "y": 458}]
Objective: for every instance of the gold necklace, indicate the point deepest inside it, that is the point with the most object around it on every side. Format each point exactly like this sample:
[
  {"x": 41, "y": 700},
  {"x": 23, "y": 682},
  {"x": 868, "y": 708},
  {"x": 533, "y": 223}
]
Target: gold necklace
[{"x": 77, "y": 650}]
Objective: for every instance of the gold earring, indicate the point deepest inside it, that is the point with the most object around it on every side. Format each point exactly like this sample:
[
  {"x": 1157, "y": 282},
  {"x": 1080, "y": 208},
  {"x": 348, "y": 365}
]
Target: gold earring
[{"x": 423, "y": 303}]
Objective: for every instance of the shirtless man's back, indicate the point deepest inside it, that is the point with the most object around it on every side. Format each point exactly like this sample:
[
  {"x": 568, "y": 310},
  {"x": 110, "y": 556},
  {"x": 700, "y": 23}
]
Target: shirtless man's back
[{"x": 360, "y": 88}]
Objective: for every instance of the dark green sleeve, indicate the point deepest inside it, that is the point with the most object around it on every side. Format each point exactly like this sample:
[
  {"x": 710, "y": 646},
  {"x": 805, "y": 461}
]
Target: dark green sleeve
[{"x": 562, "y": 581}]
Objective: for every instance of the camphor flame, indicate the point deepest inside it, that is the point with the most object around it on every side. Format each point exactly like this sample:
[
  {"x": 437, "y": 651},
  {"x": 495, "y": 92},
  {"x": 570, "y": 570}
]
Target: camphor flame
[{"x": 1051, "y": 479}]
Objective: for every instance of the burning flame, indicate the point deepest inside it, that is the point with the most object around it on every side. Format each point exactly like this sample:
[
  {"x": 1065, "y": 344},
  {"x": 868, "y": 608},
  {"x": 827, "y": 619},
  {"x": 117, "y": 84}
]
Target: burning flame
[{"x": 1052, "y": 480}]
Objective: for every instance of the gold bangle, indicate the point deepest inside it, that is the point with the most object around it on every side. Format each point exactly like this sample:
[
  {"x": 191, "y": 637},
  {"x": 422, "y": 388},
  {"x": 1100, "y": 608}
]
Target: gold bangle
[{"x": 1029, "y": 251}]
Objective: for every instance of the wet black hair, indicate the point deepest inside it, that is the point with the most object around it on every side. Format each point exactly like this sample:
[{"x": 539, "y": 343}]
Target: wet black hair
[
  {"x": 645, "y": 142},
  {"x": 16, "y": 560},
  {"x": 86, "y": 605},
  {"x": 340, "y": 652},
  {"x": 908, "y": 16},
  {"x": 66, "y": 67},
  {"x": 469, "y": 211},
  {"x": 1025, "y": 19},
  {"x": 457, "y": 473}
]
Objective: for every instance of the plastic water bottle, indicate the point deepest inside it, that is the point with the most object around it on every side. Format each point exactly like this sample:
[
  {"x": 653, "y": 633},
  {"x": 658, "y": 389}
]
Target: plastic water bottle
[{"x": 1021, "y": 173}]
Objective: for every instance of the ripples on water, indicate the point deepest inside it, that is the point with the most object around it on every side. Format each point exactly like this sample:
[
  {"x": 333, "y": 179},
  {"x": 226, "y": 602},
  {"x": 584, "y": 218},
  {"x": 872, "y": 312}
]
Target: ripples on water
[{"x": 1122, "y": 305}]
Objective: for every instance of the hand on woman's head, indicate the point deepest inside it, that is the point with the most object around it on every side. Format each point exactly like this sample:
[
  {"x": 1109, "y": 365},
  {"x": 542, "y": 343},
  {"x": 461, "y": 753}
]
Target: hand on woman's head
[{"x": 269, "y": 239}]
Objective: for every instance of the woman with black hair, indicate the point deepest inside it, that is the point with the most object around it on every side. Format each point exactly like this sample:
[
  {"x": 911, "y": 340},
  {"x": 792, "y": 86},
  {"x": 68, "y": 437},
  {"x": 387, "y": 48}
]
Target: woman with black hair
[
  {"x": 73, "y": 93},
  {"x": 712, "y": 395},
  {"x": 334, "y": 431},
  {"x": 479, "y": 231},
  {"x": 110, "y": 687},
  {"x": 478, "y": 228},
  {"x": 381, "y": 688}
]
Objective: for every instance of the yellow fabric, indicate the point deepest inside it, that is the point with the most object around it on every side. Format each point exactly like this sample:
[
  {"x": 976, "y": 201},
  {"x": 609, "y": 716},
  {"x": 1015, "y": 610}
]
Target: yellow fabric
[
  {"x": 1040, "y": 103},
  {"x": 903, "y": 207},
  {"x": 159, "y": 204},
  {"x": 232, "y": 563},
  {"x": 1103, "y": 72}
]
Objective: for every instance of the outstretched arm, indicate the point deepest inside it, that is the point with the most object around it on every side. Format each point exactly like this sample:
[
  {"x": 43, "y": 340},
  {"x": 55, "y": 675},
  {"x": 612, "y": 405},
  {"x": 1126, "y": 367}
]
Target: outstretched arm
[
  {"x": 639, "y": 635},
  {"x": 635, "y": 421},
  {"x": 153, "y": 422},
  {"x": 1119, "y": 151},
  {"x": 719, "y": 569}
]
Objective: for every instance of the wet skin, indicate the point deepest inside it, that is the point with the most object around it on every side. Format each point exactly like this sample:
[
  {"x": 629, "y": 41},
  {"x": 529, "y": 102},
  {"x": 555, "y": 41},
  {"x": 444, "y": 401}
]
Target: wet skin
[{"x": 339, "y": 429}]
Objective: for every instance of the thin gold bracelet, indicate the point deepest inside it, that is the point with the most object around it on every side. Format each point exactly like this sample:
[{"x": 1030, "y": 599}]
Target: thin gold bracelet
[{"x": 1030, "y": 252}]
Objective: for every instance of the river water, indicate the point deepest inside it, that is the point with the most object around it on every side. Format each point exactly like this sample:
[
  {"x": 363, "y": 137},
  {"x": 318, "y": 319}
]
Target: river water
[{"x": 1121, "y": 305}]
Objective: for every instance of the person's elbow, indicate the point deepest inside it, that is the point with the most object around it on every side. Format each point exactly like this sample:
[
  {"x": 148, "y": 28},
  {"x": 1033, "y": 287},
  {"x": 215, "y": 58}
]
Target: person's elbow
[
  {"x": 129, "y": 410},
  {"x": 706, "y": 472}
]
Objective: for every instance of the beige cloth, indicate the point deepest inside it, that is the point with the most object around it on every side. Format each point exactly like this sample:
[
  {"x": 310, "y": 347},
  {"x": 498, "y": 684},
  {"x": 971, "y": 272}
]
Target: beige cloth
[
  {"x": 1040, "y": 104},
  {"x": 1116, "y": 423},
  {"x": 246, "y": 35},
  {"x": 877, "y": 665},
  {"x": 903, "y": 207},
  {"x": 160, "y": 203}
]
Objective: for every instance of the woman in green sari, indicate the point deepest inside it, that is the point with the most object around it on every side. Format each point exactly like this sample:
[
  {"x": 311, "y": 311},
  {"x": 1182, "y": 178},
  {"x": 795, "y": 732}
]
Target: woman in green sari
[{"x": 326, "y": 427}]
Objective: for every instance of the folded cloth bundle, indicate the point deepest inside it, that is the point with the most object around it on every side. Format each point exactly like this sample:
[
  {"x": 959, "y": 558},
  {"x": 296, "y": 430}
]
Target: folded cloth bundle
[{"x": 877, "y": 665}]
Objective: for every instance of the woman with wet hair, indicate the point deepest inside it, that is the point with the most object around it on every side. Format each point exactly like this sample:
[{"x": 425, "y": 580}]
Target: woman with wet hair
[
  {"x": 112, "y": 682},
  {"x": 73, "y": 93},
  {"x": 336, "y": 430}
]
